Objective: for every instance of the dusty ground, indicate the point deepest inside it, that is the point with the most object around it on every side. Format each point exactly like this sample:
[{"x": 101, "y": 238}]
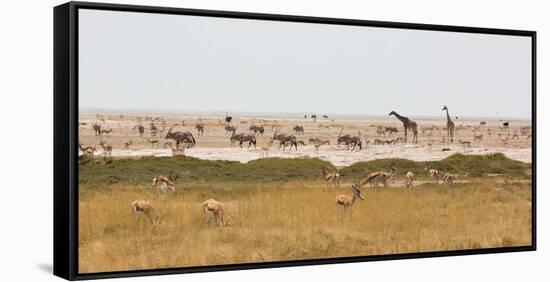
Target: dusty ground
[{"x": 215, "y": 145}]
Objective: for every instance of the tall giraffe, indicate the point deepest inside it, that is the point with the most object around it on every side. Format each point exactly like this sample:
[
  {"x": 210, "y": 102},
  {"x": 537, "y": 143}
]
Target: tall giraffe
[
  {"x": 408, "y": 125},
  {"x": 450, "y": 125}
]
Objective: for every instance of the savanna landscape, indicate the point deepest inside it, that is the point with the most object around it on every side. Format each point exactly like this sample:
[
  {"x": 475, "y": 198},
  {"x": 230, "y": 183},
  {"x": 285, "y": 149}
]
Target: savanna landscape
[{"x": 143, "y": 204}]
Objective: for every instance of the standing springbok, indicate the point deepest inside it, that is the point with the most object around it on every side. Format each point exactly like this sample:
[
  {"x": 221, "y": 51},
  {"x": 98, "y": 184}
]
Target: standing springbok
[
  {"x": 345, "y": 201},
  {"x": 378, "y": 177},
  {"x": 330, "y": 178},
  {"x": 434, "y": 173},
  {"x": 216, "y": 208},
  {"x": 409, "y": 179},
  {"x": 265, "y": 149},
  {"x": 146, "y": 208},
  {"x": 107, "y": 148}
]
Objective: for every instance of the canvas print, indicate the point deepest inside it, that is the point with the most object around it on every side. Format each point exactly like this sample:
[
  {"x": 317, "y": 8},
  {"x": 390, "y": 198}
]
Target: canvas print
[{"x": 213, "y": 141}]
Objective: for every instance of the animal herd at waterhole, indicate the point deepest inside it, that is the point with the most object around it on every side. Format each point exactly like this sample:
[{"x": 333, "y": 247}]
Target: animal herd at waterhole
[{"x": 179, "y": 141}]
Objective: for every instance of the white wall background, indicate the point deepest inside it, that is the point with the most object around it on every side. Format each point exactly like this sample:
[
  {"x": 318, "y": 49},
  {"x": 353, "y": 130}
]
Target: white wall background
[{"x": 26, "y": 54}]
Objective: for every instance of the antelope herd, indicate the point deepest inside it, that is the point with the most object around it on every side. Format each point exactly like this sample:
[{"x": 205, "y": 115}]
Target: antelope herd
[
  {"x": 211, "y": 207},
  {"x": 180, "y": 140},
  {"x": 254, "y": 134}
]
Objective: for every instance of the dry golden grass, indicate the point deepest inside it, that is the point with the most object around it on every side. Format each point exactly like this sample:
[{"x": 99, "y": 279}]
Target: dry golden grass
[{"x": 292, "y": 220}]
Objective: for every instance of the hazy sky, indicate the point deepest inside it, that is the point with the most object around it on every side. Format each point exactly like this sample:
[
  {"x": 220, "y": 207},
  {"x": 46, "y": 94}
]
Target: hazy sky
[{"x": 187, "y": 63}]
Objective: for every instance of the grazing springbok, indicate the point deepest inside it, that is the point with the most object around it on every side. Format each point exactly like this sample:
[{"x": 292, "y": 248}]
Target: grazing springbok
[
  {"x": 345, "y": 201},
  {"x": 378, "y": 177},
  {"x": 448, "y": 178},
  {"x": 216, "y": 208},
  {"x": 176, "y": 151},
  {"x": 434, "y": 173},
  {"x": 465, "y": 144},
  {"x": 127, "y": 144},
  {"x": 146, "y": 208},
  {"x": 330, "y": 178},
  {"x": 391, "y": 130},
  {"x": 478, "y": 137},
  {"x": 162, "y": 183},
  {"x": 167, "y": 144},
  {"x": 409, "y": 179},
  {"x": 89, "y": 152},
  {"x": 83, "y": 147}
]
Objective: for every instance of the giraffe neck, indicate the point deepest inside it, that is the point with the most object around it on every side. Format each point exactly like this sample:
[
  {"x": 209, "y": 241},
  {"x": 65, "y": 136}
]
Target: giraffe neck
[
  {"x": 401, "y": 118},
  {"x": 448, "y": 117}
]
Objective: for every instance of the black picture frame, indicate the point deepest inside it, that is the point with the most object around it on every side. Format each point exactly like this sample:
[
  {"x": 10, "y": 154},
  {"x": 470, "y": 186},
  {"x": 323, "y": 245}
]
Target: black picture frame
[{"x": 66, "y": 137}]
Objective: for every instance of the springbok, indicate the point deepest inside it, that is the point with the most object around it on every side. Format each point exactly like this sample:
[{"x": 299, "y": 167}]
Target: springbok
[
  {"x": 448, "y": 178},
  {"x": 409, "y": 179},
  {"x": 265, "y": 149},
  {"x": 161, "y": 183},
  {"x": 330, "y": 178},
  {"x": 378, "y": 177},
  {"x": 216, "y": 208},
  {"x": 345, "y": 201},
  {"x": 107, "y": 149},
  {"x": 106, "y": 132},
  {"x": 154, "y": 143},
  {"x": 89, "y": 152},
  {"x": 146, "y": 208},
  {"x": 127, "y": 144},
  {"x": 175, "y": 151},
  {"x": 434, "y": 173}
]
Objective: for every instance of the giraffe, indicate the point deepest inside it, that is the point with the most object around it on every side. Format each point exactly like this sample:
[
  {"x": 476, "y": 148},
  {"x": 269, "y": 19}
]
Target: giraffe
[
  {"x": 450, "y": 125},
  {"x": 408, "y": 125}
]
